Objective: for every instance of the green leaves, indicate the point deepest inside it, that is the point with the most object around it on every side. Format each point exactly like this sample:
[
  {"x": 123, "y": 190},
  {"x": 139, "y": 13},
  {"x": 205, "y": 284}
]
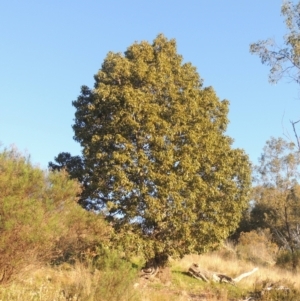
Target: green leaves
[
  {"x": 40, "y": 220},
  {"x": 277, "y": 193},
  {"x": 283, "y": 61},
  {"x": 156, "y": 153}
]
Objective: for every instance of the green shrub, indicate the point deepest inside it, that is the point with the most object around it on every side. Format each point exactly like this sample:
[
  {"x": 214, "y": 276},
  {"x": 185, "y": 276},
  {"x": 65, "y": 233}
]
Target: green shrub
[
  {"x": 286, "y": 258},
  {"x": 116, "y": 277},
  {"x": 40, "y": 220},
  {"x": 283, "y": 291}
]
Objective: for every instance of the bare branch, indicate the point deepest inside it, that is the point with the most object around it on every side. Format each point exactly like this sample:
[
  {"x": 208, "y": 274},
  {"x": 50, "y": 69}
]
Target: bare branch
[
  {"x": 295, "y": 132},
  {"x": 208, "y": 276}
]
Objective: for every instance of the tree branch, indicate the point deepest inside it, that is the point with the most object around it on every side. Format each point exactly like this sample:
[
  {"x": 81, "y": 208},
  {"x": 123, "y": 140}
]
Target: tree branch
[{"x": 295, "y": 132}]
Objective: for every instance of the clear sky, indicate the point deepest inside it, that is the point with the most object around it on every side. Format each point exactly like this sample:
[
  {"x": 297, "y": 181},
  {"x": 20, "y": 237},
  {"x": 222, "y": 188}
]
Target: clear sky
[{"x": 48, "y": 49}]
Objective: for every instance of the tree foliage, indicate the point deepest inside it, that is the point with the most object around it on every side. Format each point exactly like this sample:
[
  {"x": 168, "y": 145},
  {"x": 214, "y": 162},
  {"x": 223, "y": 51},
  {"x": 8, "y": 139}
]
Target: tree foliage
[
  {"x": 277, "y": 194},
  {"x": 40, "y": 220},
  {"x": 257, "y": 246},
  {"x": 284, "y": 61},
  {"x": 75, "y": 167},
  {"x": 156, "y": 156}
]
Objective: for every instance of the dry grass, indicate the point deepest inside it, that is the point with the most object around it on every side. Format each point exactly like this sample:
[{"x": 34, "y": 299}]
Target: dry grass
[
  {"x": 81, "y": 283},
  {"x": 72, "y": 283},
  {"x": 232, "y": 266}
]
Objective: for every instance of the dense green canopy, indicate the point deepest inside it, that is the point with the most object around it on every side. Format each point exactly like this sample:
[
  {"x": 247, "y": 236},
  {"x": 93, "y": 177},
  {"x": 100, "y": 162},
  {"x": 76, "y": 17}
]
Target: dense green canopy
[{"x": 155, "y": 153}]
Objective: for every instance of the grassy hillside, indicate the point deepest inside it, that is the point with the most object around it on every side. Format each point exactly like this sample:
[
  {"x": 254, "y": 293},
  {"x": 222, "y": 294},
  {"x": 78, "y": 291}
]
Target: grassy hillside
[{"x": 117, "y": 279}]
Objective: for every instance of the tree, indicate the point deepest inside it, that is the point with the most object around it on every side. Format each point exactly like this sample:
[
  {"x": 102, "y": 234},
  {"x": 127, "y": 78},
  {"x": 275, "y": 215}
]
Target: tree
[
  {"x": 155, "y": 153},
  {"x": 277, "y": 194},
  {"x": 283, "y": 61},
  {"x": 73, "y": 164},
  {"x": 75, "y": 167}
]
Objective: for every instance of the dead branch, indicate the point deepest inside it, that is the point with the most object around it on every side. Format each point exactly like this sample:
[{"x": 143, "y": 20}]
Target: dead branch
[
  {"x": 208, "y": 276},
  {"x": 295, "y": 132},
  {"x": 244, "y": 275}
]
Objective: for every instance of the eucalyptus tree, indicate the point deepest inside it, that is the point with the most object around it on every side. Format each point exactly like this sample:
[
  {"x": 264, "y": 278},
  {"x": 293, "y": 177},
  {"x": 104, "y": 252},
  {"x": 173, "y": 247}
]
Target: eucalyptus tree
[
  {"x": 277, "y": 194},
  {"x": 284, "y": 61}
]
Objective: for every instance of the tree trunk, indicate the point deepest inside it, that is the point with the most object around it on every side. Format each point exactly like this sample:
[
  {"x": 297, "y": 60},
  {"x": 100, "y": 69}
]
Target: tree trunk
[{"x": 153, "y": 265}]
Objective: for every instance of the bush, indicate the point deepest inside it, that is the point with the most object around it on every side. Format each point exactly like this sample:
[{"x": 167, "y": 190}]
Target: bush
[
  {"x": 268, "y": 290},
  {"x": 75, "y": 283},
  {"x": 286, "y": 258},
  {"x": 117, "y": 277},
  {"x": 257, "y": 247},
  {"x": 40, "y": 220}
]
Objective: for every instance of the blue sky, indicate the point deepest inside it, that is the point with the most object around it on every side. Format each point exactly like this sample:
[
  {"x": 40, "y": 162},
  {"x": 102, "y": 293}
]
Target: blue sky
[{"x": 50, "y": 48}]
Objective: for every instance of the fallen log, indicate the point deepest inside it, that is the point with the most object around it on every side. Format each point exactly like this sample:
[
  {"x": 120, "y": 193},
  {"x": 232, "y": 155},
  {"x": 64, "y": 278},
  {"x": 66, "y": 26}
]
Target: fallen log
[{"x": 208, "y": 276}]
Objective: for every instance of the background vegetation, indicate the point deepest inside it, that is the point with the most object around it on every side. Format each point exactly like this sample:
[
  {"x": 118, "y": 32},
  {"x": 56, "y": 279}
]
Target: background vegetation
[{"x": 40, "y": 220}]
